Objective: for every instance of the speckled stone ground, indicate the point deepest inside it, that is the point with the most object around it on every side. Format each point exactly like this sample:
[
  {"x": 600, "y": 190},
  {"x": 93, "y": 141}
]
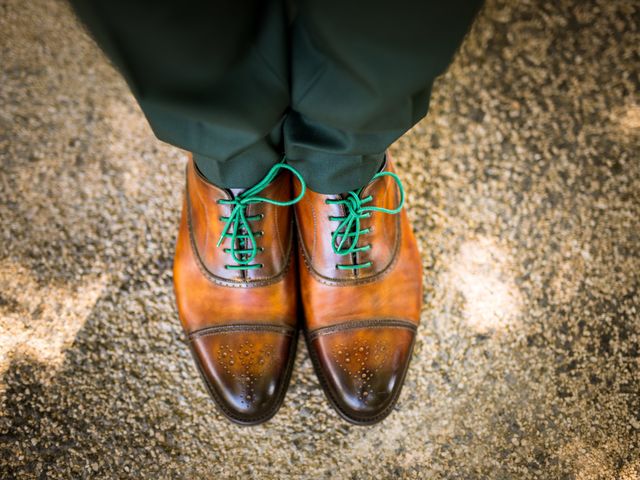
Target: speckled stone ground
[{"x": 524, "y": 188}]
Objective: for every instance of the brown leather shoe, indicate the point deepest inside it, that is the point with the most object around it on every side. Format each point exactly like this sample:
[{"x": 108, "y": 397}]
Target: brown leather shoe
[
  {"x": 235, "y": 284},
  {"x": 362, "y": 293}
]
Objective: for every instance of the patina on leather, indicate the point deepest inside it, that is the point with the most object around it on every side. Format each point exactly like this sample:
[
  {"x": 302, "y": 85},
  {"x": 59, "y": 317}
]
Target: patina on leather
[
  {"x": 241, "y": 323},
  {"x": 361, "y": 322}
]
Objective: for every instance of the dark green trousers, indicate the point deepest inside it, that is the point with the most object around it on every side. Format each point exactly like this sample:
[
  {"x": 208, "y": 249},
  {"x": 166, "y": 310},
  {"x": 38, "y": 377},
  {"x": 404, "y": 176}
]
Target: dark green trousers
[{"x": 330, "y": 84}]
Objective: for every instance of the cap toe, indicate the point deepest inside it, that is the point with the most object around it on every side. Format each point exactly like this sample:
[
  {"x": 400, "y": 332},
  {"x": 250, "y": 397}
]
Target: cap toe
[
  {"x": 246, "y": 372},
  {"x": 362, "y": 369}
]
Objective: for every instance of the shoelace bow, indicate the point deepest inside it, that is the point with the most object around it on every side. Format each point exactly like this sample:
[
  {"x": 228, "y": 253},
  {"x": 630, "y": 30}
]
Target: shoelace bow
[
  {"x": 344, "y": 239},
  {"x": 243, "y": 248}
]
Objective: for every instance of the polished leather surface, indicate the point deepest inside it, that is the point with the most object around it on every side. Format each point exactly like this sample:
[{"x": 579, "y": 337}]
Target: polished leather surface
[
  {"x": 360, "y": 323},
  {"x": 206, "y": 227},
  {"x": 241, "y": 324},
  {"x": 315, "y": 229}
]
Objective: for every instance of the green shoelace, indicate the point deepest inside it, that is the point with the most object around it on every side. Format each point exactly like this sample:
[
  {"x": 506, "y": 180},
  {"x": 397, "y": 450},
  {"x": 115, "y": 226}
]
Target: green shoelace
[
  {"x": 344, "y": 240},
  {"x": 243, "y": 240}
]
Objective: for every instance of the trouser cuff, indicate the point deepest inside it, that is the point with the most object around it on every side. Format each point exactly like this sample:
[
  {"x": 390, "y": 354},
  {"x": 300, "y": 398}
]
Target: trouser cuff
[
  {"x": 328, "y": 173},
  {"x": 243, "y": 170}
]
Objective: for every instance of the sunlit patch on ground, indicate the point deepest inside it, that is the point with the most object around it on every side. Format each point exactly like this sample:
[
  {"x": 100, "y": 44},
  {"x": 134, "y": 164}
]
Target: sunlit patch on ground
[
  {"x": 41, "y": 321},
  {"x": 590, "y": 463},
  {"x": 627, "y": 119},
  {"x": 481, "y": 273}
]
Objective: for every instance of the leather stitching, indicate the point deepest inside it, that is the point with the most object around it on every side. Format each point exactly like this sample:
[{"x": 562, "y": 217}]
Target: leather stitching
[
  {"x": 349, "y": 281},
  {"x": 315, "y": 231},
  {"x": 359, "y": 324},
  {"x": 277, "y": 229},
  {"x": 235, "y": 328},
  {"x": 333, "y": 281},
  {"x": 224, "y": 281}
]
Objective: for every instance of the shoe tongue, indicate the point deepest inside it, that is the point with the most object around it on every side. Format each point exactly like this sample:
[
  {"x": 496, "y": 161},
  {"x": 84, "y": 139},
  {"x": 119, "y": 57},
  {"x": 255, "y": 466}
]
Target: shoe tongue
[{"x": 236, "y": 191}]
